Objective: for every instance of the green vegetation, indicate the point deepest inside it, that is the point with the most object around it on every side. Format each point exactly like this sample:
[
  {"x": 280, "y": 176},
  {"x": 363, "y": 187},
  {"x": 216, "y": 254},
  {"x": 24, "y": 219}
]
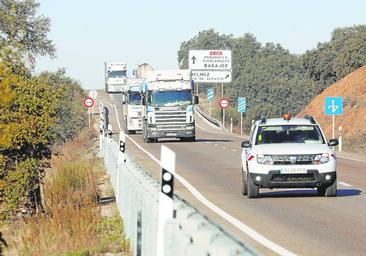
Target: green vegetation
[
  {"x": 273, "y": 80},
  {"x": 71, "y": 222},
  {"x": 36, "y": 111}
]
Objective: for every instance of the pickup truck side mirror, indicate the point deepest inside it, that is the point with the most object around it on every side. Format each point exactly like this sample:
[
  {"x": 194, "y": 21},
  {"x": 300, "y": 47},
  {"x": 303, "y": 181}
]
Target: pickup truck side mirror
[
  {"x": 195, "y": 99},
  {"x": 333, "y": 142},
  {"x": 245, "y": 144}
]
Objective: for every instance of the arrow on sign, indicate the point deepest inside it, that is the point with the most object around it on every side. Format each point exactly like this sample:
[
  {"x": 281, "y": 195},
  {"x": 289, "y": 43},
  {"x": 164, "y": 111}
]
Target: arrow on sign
[
  {"x": 333, "y": 107},
  {"x": 193, "y": 59},
  {"x": 227, "y": 76}
]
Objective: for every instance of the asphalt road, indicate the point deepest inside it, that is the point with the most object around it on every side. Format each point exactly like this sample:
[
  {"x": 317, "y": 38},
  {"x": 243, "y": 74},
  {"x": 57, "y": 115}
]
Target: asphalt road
[{"x": 297, "y": 220}]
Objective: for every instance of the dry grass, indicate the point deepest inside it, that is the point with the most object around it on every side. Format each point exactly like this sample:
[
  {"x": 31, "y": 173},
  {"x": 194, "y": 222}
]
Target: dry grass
[{"x": 71, "y": 223}]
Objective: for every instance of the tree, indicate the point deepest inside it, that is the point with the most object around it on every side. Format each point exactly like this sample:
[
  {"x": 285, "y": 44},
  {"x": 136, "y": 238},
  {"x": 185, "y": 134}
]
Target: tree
[{"x": 23, "y": 29}]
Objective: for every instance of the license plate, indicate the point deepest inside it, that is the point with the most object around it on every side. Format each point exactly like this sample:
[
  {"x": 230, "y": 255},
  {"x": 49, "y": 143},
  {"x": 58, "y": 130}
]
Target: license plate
[
  {"x": 288, "y": 170},
  {"x": 171, "y": 134}
]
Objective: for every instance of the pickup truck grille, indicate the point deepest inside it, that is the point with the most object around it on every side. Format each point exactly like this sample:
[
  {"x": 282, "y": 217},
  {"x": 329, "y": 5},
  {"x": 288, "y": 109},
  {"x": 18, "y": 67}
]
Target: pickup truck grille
[
  {"x": 168, "y": 120},
  {"x": 304, "y": 177},
  {"x": 292, "y": 159}
]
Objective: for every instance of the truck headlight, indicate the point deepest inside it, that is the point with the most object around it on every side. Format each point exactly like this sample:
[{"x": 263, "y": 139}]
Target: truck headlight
[
  {"x": 263, "y": 159},
  {"x": 321, "y": 158}
]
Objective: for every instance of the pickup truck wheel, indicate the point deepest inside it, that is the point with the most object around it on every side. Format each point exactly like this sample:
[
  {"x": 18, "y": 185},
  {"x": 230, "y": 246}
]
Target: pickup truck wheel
[
  {"x": 244, "y": 187},
  {"x": 331, "y": 191},
  {"x": 253, "y": 190}
]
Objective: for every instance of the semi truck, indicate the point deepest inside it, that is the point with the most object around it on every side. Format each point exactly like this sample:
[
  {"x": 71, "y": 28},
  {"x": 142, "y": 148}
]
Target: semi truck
[
  {"x": 168, "y": 105},
  {"x": 115, "y": 74},
  {"x": 132, "y": 105}
]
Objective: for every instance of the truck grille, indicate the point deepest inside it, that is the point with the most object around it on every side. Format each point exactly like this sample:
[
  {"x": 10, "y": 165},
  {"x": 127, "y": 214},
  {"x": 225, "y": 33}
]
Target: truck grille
[
  {"x": 292, "y": 159},
  {"x": 168, "y": 120}
]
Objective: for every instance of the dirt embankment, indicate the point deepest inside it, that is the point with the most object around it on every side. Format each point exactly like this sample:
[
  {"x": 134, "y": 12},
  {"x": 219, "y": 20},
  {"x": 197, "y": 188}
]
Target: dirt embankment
[{"x": 353, "y": 121}]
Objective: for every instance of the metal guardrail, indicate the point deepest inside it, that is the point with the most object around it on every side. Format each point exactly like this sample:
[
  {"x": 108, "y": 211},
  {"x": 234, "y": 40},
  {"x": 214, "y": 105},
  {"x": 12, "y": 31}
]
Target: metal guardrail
[
  {"x": 210, "y": 119},
  {"x": 137, "y": 198}
]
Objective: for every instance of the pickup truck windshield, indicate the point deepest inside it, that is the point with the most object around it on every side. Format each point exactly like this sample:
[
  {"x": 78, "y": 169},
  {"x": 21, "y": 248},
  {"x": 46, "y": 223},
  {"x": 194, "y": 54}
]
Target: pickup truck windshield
[
  {"x": 134, "y": 98},
  {"x": 117, "y": 74},
  {"x": 289, "y": 134},
  {"x": 170, "y": 98}
]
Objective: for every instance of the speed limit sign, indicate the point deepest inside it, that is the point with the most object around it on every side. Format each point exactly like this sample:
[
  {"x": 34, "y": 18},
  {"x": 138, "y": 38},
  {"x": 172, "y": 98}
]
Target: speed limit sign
[
  {"x": 88, "y": 102},
  {"x": 224, "y": 103}
]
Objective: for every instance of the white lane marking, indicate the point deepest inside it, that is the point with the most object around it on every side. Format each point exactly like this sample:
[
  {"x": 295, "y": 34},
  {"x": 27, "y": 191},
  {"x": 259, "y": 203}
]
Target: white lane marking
[
  {"x": 235, "y": 222},
  {"x": 216, "y": 145},
  {"x": 224, "y": 147},
  {"x": 234, "y": 150},
  {"x": 119, "y": 125},
  {"x": 229, "y": 134},
  {"x": 207, "y": 130},
  {"x": 353, "y": 159},
  {"x": 344, "y": 184},
  {"x": 110, "y": 95},
  {"x": 208, "y": 142}
]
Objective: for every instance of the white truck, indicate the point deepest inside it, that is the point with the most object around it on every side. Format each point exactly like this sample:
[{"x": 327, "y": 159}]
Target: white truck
[
  {"x": 288, "y": 153},
  {"x": 115, "y": 74},
  {"x": 132, "y": 105},
  {"x": 168, "y": 110}
]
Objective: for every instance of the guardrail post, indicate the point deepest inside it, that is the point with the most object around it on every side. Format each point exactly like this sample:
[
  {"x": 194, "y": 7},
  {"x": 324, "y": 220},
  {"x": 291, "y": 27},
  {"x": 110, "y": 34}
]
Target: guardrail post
[
  {"x": 340, "y": 139},
  {"x": 101, "y": 124},
  {"x": 166, "y": 195},
  {"x": 121, "y": 159}
]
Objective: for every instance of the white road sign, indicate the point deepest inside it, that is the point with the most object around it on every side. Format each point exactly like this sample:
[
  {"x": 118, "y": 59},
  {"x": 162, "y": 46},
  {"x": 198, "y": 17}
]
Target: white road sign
[
  {"x": 211, "y": 76},
  {"x": 210, "y": 59},
  {"x": 93, "y": 94}
]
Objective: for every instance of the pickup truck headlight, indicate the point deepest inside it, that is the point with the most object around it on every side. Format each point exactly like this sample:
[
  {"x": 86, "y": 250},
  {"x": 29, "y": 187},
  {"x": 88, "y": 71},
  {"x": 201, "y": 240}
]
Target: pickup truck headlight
[
  {"x": 321, "y": 159},
  {"x": 263, "y": 159}
]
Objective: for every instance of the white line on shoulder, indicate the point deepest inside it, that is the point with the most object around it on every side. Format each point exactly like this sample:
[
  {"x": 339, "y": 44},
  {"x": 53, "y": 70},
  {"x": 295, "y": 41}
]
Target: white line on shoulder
[
  {"x": 353, "y": 159},
  {"x": 344, "y": 184}
]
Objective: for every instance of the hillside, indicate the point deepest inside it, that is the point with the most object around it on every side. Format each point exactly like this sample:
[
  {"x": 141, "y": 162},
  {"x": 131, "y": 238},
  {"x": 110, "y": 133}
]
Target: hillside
[{"x": 353, "y": 90}]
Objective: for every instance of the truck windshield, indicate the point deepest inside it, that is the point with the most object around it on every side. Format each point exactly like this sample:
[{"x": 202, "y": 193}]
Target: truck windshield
[
  {"x": 289, "y": 134},
  {"x": 134, "y": 98},
  {"x": 117, "y": 74},
  {"x": 170, "y": 98}
]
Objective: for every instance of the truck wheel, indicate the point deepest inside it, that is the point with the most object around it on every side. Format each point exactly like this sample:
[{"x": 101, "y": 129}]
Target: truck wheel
[
  {"x": 253, "y": 190},
  {"x": 244, "y": 187}
]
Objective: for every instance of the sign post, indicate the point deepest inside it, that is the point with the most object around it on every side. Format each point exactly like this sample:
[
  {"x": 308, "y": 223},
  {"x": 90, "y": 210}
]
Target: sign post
[
  {"x": 88, "y": 103},
  {"x": 224, "y": 103},
  {"x": 210, "y": 97},
  {"x": 242, "y": 108},
  {"x": 333, "y": 106}
]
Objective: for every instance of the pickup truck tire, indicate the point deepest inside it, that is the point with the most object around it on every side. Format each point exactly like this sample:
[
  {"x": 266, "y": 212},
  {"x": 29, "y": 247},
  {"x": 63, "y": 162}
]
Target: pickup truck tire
[
  {"x": 253, "y": 190},
  {"x": 244, "y": 187},
  {"x": 330, "y": 191}
]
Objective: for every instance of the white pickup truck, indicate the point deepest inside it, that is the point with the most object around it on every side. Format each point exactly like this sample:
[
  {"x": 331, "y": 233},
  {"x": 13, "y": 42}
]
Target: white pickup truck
[{"x": 288, "y": 153}]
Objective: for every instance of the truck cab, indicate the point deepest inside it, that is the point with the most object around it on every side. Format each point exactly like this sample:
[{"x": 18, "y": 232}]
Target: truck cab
[
  {"x": 288, "y": 153},
  {"x": 132, "y": 105},
  {"x": 115, "y": 74},
  {"x": 168, "y": 110}
]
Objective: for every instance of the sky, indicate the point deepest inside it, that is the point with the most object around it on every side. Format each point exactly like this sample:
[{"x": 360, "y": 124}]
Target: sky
[{"x": 89, "y": 32}]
